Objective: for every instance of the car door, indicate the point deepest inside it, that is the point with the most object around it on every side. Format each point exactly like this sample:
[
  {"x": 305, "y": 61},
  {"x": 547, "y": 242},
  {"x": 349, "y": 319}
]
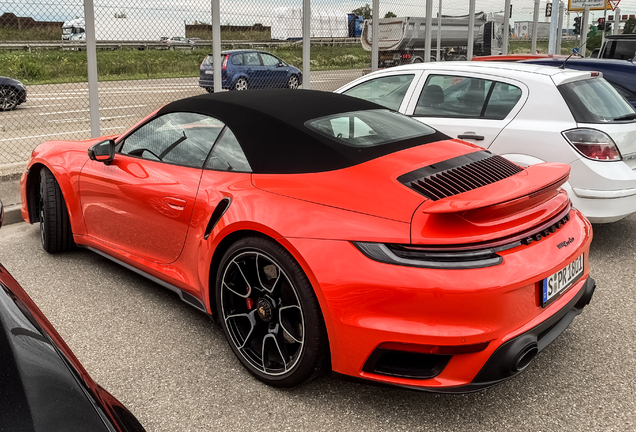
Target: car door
[
  {"x": 471, "y": 107},
  {"x": 275, "y": 75},
  {"x": 253, "y": 69},
  {"x": 142, "y": 202},
  {"x": 389, "y": 89}
]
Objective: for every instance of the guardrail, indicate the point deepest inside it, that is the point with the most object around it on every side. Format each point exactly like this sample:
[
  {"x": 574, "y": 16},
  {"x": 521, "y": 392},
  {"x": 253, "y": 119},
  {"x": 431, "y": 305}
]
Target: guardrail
[{"x": 144, "y": 45}]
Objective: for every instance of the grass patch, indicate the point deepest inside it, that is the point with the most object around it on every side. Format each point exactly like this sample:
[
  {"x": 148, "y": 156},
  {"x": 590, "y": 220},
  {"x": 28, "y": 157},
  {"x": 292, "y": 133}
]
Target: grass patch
[
  {"x": 31, "y": 34},
  {"x": 62, "y": 66},
  {"x": 252, "y": 35},
  {"x": 524, "y": 47}
]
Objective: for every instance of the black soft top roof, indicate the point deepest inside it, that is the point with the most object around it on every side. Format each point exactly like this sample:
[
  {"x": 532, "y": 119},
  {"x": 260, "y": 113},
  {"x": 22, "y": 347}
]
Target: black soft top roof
[{"x": 270, "y": 126}]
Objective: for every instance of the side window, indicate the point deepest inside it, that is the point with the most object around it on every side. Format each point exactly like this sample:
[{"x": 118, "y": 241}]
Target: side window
[
  {"x": 502, "y": 100},
  {"x": 453, "y": 96},
  {"x": 237, "y": 59},
  {"x": 269, "y": 60},
  {"x": 251, "y": 59},
  {"x": 388, "y": 91},
  {"x": 228, "y": 155},
  {"x": 623, "y": 91},
  {"x": 178, "y": 138}
]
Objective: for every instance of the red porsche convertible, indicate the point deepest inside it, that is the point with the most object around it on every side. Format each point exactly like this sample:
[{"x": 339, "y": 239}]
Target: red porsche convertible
[{"x": 324, "y": 231}]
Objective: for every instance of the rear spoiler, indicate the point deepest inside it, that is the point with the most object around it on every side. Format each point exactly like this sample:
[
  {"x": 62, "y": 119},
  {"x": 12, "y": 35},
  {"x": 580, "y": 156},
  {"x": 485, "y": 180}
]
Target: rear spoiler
[{"x": 533, "y": 180}]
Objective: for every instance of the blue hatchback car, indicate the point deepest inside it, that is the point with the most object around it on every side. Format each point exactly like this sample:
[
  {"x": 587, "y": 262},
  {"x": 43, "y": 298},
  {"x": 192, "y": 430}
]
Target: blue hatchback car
[
  {"x": 249, "y": 69},
  {"x": 621, "y": 74}
]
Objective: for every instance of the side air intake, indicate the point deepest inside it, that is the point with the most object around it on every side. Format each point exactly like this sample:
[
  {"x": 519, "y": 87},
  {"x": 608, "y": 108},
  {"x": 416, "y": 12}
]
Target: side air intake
[{"x": 460, "y": 174}]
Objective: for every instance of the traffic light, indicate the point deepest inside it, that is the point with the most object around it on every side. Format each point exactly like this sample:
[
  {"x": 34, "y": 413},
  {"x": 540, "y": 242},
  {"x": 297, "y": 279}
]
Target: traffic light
[
  {"x": 577, "y": 25},
  {"x": 601, "y": 24}
]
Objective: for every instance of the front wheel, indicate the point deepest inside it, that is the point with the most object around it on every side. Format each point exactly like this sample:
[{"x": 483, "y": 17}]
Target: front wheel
[
  {"x": 55, "y": 226},
  {"x": 240, "y": 84},
  {"x": 270, "y": 314},
  {"x": 293, "y": 82},
  {"x": 8, "y": 98}
]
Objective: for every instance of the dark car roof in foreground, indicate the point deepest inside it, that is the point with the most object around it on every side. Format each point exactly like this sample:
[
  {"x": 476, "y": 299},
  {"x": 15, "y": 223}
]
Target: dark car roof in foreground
[{"x": 270, "y": 125}]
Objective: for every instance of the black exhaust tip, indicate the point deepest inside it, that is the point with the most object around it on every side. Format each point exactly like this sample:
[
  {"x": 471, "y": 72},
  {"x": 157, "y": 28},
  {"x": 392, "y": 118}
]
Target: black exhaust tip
[{"x": 524, "y": 358}]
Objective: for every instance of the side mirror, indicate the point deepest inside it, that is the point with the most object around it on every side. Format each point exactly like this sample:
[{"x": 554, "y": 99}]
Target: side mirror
[
  {"x": 103, "y": 151},
  {"x": 281, "y": 64}
]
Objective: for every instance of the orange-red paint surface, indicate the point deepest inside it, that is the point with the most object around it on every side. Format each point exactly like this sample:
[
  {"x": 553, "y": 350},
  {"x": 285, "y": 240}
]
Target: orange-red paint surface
[{"x": 152, "y": 216}]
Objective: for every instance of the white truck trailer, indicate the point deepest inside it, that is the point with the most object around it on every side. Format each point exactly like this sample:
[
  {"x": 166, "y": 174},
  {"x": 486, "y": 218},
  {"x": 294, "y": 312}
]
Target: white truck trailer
[
  {"x": 124, "y": 29},
  {"x": 287, "y": 23},
  {"x": 402, "y": 40}
]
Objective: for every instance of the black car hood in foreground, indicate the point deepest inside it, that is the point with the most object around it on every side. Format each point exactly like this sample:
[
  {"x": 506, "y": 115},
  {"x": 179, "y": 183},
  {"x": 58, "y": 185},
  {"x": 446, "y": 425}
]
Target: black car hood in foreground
[{"x": 42, "y": 385}]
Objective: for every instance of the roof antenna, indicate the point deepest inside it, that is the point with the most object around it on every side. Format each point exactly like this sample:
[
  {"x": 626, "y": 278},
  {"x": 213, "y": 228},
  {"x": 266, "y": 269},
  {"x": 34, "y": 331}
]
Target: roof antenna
[{"x": 575, "y": 50}]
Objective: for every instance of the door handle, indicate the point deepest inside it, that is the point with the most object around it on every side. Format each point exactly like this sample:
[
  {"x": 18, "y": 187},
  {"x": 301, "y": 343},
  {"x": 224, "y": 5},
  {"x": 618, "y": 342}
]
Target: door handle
[
  {"x": 175, "y": 203},
  {"x": 471, "y": 136}
]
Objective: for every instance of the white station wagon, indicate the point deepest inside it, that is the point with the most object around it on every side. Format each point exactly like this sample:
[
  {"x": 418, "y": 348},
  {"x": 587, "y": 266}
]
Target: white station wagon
[{"x": 529, "y": 114}]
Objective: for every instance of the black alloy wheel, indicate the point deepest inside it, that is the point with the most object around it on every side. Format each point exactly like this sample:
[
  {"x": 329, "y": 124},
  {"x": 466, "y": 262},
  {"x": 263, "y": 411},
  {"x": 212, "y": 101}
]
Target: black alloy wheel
[
  {"x": 270, "y": 314},
  {"x": 8, "y": 98},
  {"x": 55, "y": 226}
]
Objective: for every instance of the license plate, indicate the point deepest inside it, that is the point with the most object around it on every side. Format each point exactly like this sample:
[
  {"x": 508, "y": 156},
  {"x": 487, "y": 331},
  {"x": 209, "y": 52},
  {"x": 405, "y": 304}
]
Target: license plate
[
  {"x": 555, "y": 285},
  {"x": 209, "y": 72}
]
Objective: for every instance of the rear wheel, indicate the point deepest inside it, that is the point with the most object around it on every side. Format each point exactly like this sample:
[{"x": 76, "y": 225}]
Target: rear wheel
[
  {"x": 293, "y": 82},
  {"x": 8, "y": 98},
  {"x": 240, "y": 84},
  {"x": 55, "y": 226},
  {"x": 209, "y": 89},
  {"x": 270, "y": 314}
]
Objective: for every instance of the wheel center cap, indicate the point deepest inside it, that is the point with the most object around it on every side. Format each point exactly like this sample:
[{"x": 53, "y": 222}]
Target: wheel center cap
[{"x": 265, "y": 310}]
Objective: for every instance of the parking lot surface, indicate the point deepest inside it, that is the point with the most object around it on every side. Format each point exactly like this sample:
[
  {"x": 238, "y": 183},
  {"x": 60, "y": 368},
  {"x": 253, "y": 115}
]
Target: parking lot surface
[{"x": 171, "y": 366}]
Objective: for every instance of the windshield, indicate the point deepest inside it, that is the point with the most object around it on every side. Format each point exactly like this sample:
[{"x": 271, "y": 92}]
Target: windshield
[
  {"x": 368, "y": 128},
  {"x": 595, "y": 101}
]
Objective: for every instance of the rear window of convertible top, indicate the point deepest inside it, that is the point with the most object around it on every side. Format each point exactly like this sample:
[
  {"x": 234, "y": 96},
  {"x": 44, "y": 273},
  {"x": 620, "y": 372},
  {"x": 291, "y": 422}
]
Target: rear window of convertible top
[{"x": 368, "y": 128}]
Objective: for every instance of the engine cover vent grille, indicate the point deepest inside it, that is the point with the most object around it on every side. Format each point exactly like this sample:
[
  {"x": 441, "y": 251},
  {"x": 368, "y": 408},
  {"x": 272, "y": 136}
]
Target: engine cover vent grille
[{"x": 460, "y": 174}]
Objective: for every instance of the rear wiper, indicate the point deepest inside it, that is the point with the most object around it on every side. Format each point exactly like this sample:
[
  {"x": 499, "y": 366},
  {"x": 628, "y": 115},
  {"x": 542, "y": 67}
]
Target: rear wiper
[{"x": 631, "y": 116}]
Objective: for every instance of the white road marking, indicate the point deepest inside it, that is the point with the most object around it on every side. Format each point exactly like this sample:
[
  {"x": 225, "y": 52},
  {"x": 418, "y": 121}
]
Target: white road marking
[
  {"x": 84, "y": 110},
  {"x": 58, "y": 133}
]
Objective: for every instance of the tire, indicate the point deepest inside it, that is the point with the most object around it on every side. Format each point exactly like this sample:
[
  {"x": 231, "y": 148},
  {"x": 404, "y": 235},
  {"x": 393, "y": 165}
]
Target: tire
[
  {"x": 55, "y": 226},
  {"x": 8, "y": 98},
  {"x": 240, "y": 84},
  {"x": 209, "y": 89},
  {"x": 417, "y": 60},
  {"x": 264, "y": 299},
  {"x": 293, "y": 82}
]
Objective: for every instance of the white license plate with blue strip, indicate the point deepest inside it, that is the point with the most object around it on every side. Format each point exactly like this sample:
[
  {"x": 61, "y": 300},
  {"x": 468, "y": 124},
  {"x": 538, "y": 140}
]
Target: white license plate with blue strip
[{"x": 555, "y": 285}]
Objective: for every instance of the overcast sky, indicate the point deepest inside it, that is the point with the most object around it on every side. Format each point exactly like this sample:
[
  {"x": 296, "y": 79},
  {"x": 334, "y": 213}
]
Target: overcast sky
[{"x": 242, "y": 12}]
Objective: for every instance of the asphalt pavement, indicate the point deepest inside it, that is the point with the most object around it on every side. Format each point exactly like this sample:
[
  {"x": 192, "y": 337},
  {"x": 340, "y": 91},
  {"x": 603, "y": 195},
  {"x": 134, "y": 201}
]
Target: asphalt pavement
[{"x": 174, "y": 370}]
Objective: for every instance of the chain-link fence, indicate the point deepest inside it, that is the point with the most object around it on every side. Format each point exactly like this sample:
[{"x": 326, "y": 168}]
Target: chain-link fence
[{"x": 153, "y": 52}]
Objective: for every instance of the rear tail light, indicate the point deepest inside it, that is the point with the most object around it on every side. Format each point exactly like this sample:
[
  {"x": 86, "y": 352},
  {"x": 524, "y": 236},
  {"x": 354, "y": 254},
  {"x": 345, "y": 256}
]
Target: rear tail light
[
  {"x": 593, "y": 144},
  {"x": 225, "y": 63}
]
